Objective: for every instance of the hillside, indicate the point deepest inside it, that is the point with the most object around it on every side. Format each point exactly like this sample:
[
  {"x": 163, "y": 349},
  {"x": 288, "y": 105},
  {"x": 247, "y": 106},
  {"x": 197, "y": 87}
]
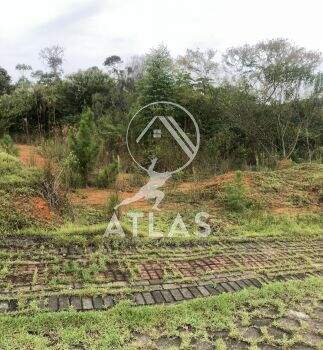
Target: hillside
[{"x": 267, "y": 200}]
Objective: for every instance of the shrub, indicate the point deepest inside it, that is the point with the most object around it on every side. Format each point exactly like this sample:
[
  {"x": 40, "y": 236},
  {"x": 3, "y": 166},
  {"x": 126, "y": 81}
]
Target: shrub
[
  {"x": 55, "y": 149},
  {"x": 70, "y": 177},
  {"x": 235, "y": 197},
  {"x": 137, "y": 180},
  {"x": 7, "y": 145},
  {"x": 107, "y": 175},
  {"x": 112, "y": 201},
  {"x": 53, "y": 191},
  {"x": 14, "y": 177}
]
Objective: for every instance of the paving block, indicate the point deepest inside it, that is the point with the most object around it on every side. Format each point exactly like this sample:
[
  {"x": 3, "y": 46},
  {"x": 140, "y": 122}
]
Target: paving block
[
  {"x": 13, "y": 305},
  {"x": 196, "y": 293},
  {"x": 203, "y": 291},
  {"x": 42, "y": 304},
  {"x": 234, "y": 285},
  {"x": 241, "y": 284},
  {"x": 108, "y": 301},
  {"x": 148, "y": 298},
  {"x": 139, "y": 299},
  {"x": 211, "y": 290},
  {"x": 156, "y": 281},
  {"x": 170, "y": 286},
  {"x": 157, "y": 295},
  {"x": 255, "y": 282},
  {"x": 87, "y": 303},
  {"x": 186, "y": 293},
  {"x": 227, "y": 287},
  {"x": 220, "y": 289},
  {"x": 167, "y": 296},
  {"x": 177, "y": 295},
  {"x": 63, "y": 302},
  {"x": 76, "y": 302},
  {"x": 98, "y": 302},
  {"x": 4, "y": 306},
  {"x": 53, "y": 303}
]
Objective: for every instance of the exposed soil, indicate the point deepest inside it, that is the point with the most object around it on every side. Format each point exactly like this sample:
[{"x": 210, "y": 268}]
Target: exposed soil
[
  {"x": 99, "y": 197},
  {"x": 41, "y": 209},
  {"x": 36, "y": 207},
  {"x": 29, "y": 156}
]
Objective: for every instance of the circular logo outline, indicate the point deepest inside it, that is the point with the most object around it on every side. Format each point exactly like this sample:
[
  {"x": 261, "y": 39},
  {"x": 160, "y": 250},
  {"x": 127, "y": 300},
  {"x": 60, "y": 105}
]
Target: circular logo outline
[{"x": 198, "y": 136}]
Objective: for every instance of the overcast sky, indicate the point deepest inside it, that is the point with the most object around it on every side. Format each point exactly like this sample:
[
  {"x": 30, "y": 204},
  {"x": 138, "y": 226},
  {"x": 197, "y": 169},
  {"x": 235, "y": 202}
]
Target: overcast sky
[{"x": 90, "y": 30}]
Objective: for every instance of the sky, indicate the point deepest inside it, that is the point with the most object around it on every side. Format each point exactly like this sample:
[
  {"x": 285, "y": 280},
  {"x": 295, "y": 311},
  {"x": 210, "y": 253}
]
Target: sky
[{"x": 91, "y": 30}]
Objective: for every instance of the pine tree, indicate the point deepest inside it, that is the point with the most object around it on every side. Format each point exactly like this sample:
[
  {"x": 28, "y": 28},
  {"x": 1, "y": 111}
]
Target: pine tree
[{"x": 84, "y": 145}]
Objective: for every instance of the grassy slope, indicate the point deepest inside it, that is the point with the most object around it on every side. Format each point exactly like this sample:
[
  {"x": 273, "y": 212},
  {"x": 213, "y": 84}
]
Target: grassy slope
[
  {"x": 17, "y": 186},
  {"x": 284, "y": 202}
]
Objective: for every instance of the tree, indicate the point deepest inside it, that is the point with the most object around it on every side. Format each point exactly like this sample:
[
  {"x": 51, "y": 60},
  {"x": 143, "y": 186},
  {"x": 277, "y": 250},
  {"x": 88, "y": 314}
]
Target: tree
[
  {"x": 53, "y": 57},
  {"x": 84, "y": 145},
  {"x": 23, "y": 68},
  {"x": 135, "y": 67},
  {"x": 111, "y": 62},
  {"x": 158, "y": 82},
  {"x": 200, "y": 66},
  {"x": 279, "y": 73},
  {"x": 15, "y": 109},
  {"x": 5, "y": 80},
  {"x": 275, "y": 68},
  {"x": 85, "y": 89}
]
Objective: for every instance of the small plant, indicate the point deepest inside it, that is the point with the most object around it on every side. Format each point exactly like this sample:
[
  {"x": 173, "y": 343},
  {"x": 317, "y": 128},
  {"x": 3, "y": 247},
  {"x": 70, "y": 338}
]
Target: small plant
[
  {"x": 107, "y": 175},
  {"x": 7, "y": 145},
  {"x": 220, "y": 345},
  {"x": 22, "y": 301},
  {"x": 70, "y": 177},
  {"x": 235, "y": 197},
  {"x": 53, "y": 190},
  {"x": 112, "y": 201},
  {"x": 55, "y": 149}
]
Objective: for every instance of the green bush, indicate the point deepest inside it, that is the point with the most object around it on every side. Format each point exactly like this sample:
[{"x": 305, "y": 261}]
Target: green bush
[
  {"x": 235, "y": 197},
  {"x": 112, "y": 201},
  {"x": 7, "y": 145},
  {"x": 70, "y": 177},
  {"x": 9, "y": 164},
  {"x": 107, "y": 175},
  {"x": 55, "y": 149},
  {"x": 14, "y": 177}
]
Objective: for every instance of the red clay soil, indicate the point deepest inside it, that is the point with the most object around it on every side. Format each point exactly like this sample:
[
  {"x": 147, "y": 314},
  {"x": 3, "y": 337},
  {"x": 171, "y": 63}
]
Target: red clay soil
[
  {"x": 99, "y": 197},
  {"x": 29, "y": 156},
  {"x": 41, "y": 209},
  {"x": 35, "y": 207}
]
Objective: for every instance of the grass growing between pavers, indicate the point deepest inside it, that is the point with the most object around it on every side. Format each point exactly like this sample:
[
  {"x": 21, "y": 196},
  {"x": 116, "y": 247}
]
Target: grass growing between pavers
[
  {"x": 239, "y": 226},
  {"x": 216, "y": 320}
]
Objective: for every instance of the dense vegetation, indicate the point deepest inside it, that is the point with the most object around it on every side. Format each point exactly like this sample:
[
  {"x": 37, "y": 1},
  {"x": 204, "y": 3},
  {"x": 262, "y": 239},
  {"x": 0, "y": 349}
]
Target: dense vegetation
[{"x": 255, "y": 105}]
